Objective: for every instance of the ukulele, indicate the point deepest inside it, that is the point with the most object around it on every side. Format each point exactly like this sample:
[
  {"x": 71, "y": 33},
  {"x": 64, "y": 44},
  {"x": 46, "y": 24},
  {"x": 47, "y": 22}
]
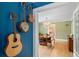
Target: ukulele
[
  {"x": 23, "y": 24},
  {"x": 14, "y": 45},
  {"x": 30, "y": 14}
]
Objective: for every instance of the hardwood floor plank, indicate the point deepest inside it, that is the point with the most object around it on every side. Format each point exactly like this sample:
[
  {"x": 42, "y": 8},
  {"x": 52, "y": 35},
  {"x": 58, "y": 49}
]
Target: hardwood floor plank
[{"x": 60, "y": 50}]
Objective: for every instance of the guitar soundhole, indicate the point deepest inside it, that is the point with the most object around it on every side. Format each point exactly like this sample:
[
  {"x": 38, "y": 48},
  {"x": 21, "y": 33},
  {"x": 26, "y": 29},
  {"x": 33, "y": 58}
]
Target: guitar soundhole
[{"x": 15, "y": 39}]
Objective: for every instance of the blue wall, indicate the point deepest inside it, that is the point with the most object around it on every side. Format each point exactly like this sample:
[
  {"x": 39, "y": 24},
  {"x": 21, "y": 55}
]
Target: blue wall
[{"x": 6, "y": 27}]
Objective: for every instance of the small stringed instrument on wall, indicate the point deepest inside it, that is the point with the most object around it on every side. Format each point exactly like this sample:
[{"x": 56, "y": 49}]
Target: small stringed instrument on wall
[
  {"x": 24, "y": 27},
  {"x": 30, "y": 14},
  {"x": 14, "y": 45}
]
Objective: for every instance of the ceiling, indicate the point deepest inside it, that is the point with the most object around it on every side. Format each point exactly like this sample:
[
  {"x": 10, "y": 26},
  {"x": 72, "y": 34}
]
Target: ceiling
[
  {"x": 39, "y": 4},
  {"x": 57, "y": 11}
]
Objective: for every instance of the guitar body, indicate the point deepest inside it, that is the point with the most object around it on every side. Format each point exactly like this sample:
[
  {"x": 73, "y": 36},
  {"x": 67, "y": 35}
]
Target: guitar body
[
  {"x": 24, "y": 27},
  {"x": 13, "y": 48},
  {"x": 30, "y": 17}
]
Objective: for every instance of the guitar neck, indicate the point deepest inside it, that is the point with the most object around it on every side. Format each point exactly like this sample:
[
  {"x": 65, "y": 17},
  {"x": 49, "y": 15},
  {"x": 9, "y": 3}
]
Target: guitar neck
[
  {"x": 14, "y": 27},
  {"x": 25, "y": 12}
]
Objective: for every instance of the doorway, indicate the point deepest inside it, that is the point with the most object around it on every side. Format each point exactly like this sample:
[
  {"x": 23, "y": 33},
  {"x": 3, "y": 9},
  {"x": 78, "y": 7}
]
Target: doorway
[
  {"x": 58, "y": 15},
  {"x": 59, "y": 40}
]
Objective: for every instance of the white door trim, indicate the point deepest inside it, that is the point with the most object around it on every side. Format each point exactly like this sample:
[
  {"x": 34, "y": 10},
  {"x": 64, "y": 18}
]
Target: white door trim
[
  {"x": 75, "y": 52},
  {"x": 35, "y": 35}
]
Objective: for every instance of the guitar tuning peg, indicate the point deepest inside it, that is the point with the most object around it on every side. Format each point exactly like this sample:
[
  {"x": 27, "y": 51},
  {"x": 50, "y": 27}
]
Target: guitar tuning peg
[
  {"x": 21, "y": 3},
  {"x": 10, "y": 15}
]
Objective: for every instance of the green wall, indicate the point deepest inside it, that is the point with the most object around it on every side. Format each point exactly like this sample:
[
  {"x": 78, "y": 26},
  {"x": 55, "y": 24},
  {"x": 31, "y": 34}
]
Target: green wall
[
  {"x": 42, "y": 29},
  {"x": 63, "y": 29}
]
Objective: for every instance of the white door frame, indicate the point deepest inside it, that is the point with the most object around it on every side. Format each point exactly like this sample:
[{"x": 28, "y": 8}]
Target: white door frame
[
  {"x": 35, "y": 24},
  {"x": 76, "y": 11},
  {"x": 36, "y": 12},
  {"x": 35, "y": 35}
]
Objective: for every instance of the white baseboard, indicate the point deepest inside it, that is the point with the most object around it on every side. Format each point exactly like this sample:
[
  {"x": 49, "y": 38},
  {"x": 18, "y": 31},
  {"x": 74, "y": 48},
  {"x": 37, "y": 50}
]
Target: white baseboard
[
  {"x": 65, "y": 40},
  {"x": 76, "y": 54}
]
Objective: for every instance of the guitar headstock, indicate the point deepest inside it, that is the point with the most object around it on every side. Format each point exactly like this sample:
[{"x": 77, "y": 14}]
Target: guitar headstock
[
  {"x": 12, "y": 16},
  {"x": 23, "y": 3},
  {"x": 30, "y": 7}
]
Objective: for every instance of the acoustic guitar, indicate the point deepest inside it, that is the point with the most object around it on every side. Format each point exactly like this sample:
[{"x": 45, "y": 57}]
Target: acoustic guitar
[
  {"x": 14, "y": 45},
  {"x": 30, "y": 14},
  {"x": 23, "y": 24}
]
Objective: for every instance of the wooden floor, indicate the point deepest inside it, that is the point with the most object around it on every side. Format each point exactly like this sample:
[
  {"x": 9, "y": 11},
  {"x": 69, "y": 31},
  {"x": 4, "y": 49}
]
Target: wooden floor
[{"x": 60, "y": 50}]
